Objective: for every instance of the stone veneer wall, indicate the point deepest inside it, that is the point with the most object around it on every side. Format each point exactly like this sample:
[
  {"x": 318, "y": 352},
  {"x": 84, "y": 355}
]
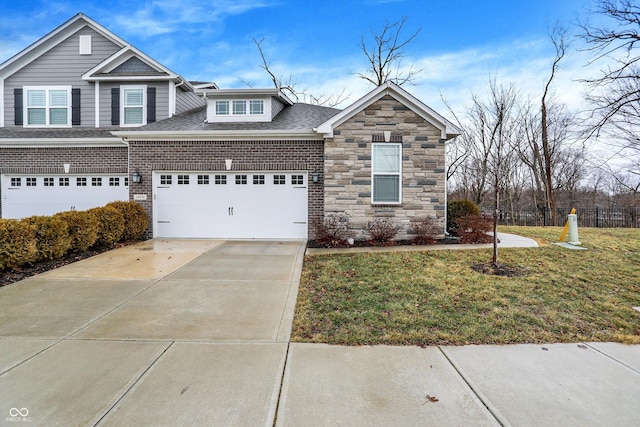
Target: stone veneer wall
[
  {"x": 347, "y": 167},
  {"x": 192, "y": 156},
  {"x": 83, "y": 160}
]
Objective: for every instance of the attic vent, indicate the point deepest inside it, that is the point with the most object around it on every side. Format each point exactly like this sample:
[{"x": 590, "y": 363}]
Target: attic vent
[
  {"x": 389, "y": 137},
  {"x": 85, "y": 45}
]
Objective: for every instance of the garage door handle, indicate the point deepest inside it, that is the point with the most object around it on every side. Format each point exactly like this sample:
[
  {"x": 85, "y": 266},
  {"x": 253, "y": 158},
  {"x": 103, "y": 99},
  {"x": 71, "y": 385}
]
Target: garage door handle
[{"x": 231, "y": 211}]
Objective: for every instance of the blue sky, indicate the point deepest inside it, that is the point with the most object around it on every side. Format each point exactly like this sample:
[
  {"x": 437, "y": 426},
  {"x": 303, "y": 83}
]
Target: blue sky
[{"x": 462, "y": 43}]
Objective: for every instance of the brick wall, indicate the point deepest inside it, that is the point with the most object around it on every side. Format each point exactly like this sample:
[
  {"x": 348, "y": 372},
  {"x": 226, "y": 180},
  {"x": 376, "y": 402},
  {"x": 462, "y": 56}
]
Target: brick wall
[
  {"x": 150, "y": 156},
  {"x": 347, "y": 167},
  {"x": 83, "y": 160}
]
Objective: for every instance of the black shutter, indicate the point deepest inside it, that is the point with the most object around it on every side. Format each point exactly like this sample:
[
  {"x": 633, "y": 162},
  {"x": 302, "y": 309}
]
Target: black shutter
[
  {"x": 75, "y": 107},
  {"x": 115, "y": 106},
  {"x": 151, "y": 104},
  {"x": 18, "y": 107}
]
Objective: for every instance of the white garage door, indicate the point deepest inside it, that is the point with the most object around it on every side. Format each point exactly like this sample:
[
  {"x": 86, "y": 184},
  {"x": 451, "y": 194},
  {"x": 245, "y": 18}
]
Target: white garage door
[
  {"x": 27, "y": 195},
  {"x": 230, "y": 205}
]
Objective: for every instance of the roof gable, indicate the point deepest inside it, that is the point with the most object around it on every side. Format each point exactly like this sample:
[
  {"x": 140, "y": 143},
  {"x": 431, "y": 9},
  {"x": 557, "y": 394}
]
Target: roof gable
[
  {"x": 448, "y": 130},
  {"x": 127, "y": 63},
  {"x": 53, "y": 38}
]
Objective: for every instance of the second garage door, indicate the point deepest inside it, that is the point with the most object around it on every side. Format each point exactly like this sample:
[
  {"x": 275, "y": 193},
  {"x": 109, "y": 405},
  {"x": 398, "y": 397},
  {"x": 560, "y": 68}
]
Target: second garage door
[{"x": 243, "y": 205}]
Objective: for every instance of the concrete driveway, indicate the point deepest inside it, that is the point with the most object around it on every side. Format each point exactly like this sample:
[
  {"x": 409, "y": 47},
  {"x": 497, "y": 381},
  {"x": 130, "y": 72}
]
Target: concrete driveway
[{"x": 165, "y": 332}]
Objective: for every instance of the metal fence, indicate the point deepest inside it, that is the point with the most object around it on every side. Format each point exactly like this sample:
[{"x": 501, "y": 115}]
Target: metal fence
[{"x": 588, "y": 217}]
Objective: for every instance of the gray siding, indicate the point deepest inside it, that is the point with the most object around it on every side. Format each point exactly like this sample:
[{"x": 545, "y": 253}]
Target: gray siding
[
  {"x": 276, "y": 107},
  {"x": 186, "y": 101},
  {"x": 62, "y": 65},
  {"x": 162, "y": 99}
]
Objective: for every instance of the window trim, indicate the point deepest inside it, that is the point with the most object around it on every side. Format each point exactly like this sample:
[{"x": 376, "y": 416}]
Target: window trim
[
  {"x": 142, "y": 88},
  {"x": 47, "y": 107},
  {"x": 374, "y": 173},
  {"x": 231, "y": 103}
]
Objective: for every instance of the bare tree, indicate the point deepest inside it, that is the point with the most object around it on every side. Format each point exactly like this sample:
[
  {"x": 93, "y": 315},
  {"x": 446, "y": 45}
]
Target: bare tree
[
  {"x": 289, "y": 86},
  {"x": 384, "y": 54},
  {"x": 615, "y": 93},
  {"x": 558, "y": 39}
]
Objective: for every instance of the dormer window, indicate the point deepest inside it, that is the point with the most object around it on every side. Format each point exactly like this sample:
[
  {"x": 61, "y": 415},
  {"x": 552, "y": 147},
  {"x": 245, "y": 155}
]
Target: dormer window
[
  {"x": 256, "y": 106},
  {"x": 239, "y": 107},
  {"x": 222, "y": 108}
]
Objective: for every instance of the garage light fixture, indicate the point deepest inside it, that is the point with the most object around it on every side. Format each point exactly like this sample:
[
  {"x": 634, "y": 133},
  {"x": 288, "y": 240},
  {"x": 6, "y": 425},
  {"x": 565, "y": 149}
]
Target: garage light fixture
[
  {"x": 228, "y": 163},
  {"x": 136, "y": 177},
  {"x": 314, "y": 176},
  {"x": 66, "y": 167}
]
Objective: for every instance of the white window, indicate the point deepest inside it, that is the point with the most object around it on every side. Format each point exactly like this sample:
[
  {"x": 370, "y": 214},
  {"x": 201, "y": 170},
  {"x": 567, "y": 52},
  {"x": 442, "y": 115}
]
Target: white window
[
  {"x": 386, "y": 165},
  {"x": 222, "y": 108},
  {"x": 47, "y": 106},
  {"x": 239, "y": 107},
  {"x": 133, "y": 105},
  {"x": 256, "y": 106}
]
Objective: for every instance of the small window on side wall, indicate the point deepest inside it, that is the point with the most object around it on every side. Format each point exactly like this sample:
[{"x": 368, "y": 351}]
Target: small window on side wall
[{"x": 386, "y": 170}]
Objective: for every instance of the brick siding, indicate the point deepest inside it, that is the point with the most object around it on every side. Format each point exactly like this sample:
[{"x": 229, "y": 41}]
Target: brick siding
[
  {"x": 192, "y": 156},
  {"x": 82, "y": 160}
]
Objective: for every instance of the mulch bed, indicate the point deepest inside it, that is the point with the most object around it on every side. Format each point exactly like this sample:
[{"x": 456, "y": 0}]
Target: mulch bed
[
  {"x": 17, "y": 274},
  {"x": 372, "y": 243}
]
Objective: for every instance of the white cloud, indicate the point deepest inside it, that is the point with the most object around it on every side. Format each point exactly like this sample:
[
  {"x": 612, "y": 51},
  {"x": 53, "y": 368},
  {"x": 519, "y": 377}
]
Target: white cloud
[{"x": 166, "y": 16}]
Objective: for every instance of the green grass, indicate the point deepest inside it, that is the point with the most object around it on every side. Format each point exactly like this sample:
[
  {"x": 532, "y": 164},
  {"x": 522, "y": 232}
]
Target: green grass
[{"x": 433, "y": 297}]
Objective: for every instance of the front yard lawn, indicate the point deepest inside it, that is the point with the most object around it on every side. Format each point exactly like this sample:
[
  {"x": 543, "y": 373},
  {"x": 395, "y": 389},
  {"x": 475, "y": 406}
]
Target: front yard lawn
[{"x": 434, "y": 297}]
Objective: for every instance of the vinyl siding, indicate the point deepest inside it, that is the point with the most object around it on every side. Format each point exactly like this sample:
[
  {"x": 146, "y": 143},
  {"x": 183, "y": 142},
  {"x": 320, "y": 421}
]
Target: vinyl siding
[
  {"x": 62, "y": 65},
  {"x": 162, "y": 99},
  {"x": 186, "y": 101}
]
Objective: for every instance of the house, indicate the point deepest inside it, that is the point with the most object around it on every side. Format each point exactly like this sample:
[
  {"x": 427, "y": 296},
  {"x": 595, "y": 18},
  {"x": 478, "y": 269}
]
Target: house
[{"x": 87, "y": 118}]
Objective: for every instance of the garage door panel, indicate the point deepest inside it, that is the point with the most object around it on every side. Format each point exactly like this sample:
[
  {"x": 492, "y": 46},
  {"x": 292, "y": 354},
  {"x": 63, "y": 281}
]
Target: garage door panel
[
  {"x": 246, "y": 205},
  {"x": 27, "y": 195}
]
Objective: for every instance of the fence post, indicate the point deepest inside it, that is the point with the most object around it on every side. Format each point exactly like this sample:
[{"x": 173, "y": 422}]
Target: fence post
[
  {"x": 597, "y": 217},
  {"x": 544, "y": 216}
]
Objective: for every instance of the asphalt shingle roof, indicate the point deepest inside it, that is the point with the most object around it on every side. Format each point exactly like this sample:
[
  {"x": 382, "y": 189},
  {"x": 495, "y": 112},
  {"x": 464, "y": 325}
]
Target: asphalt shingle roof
[
  {"x": 295, "y": 117},
  {"x": 66, "y": 133}
]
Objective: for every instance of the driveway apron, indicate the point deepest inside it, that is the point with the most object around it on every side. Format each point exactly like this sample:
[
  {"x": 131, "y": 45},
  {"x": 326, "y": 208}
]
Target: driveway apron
[{"x": 166, "y": 332}]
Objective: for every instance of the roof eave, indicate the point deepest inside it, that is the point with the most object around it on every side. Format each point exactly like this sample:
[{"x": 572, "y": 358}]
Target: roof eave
[
  {"x": 220, "y": 135},
  {"x": 60, "y": 142}
]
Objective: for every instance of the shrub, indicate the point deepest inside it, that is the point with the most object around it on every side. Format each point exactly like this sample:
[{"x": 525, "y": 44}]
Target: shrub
[
  {"x": 17, "y": 243},
  {"x": 52, "y": 236},
  {"x": 425, "y": 230},
  {"x": 474, "y": 229},
  {"x": 135, "y": 219},
  {"x": 381, "y": 230},
  {"x": 457, "y": 209},
  {"x": 111, "y": 225},
  {"x": 83, "y": 229},
  {"x": 334, "y": 231}
]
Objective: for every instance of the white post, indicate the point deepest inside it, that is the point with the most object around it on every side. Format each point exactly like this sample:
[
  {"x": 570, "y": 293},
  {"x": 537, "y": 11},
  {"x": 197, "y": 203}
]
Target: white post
[{"x": 573, "y": 229}]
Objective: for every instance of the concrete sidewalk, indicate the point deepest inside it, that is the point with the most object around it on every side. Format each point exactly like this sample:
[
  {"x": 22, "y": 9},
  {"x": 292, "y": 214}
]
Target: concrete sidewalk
[
  {"x": 586, "y": 384},
  {"x": 505, "y": 241}
]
